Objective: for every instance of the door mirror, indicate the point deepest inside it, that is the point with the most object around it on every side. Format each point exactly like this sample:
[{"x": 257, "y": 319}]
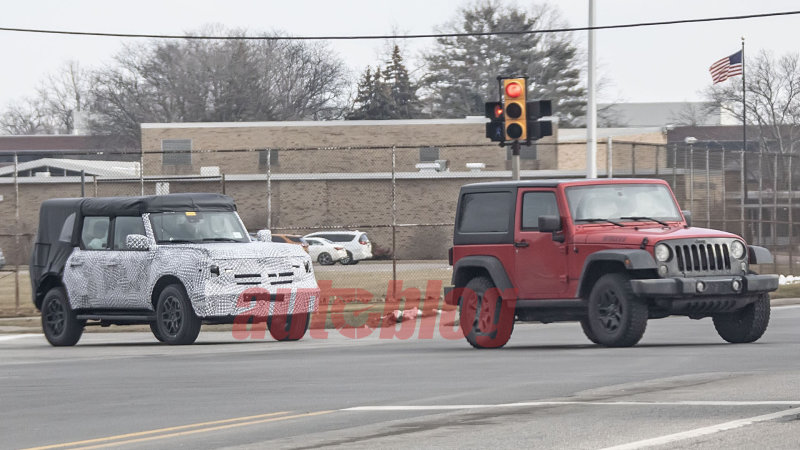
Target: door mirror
[
  {"x": 137, "y": 242},
  {"x": 264, "y": 236},
  {"x": 549, "y": 224},
  {"x": 688, "y": 216}
]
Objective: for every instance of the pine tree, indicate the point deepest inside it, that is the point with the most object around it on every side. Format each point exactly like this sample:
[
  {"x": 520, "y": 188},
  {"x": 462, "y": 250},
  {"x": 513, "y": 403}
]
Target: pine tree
[
  {"x": 404, "y": 101},
  {"x": 387, "y": 94},
  {"x": 463, "y": 70}
]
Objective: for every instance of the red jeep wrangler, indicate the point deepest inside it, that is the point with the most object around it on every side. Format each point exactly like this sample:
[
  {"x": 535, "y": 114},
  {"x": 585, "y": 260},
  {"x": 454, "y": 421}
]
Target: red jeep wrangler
[{"x": 610, "y": 253}]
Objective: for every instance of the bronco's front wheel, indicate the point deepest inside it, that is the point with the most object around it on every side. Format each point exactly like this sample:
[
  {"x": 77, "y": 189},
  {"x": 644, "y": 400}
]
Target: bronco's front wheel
[
  {"x": 486, "y": 320},
  {"x": 745, "y": 325},
  {"x": 617, "y": 318},
  {"x": 176, "y": 322}
]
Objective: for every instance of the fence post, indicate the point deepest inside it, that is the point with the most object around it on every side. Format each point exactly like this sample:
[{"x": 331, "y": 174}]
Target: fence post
[
  {"x": 222, "y": 181},
  {"x": 269, "y": 189},
  {"x": 761, "y": 195},
  {"x": 743, "y": 182},
  {"x": 724, "y": 193},
  {"x": 94, "y": 181},
  {"x": 141, "y": 171},
  {"x": 791, "y": 221},
  {"x": 610, "y": 157},
  {"x": 658, "y": 147},
  {"x": 633, "y": 160},
  {"x": 83, "y": 183},
  {"x": 16, "y": 234},
  {"x": 691, "y": 177},
  {"x": 674, "y": 166},
  {"x": 775, "y": 209},
  {"x": 394, "y": 222}
]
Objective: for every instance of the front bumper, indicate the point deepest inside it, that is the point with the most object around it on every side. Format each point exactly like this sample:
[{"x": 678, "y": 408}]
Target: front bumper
[
  {"x": 257, "y": 301},
  {"x": 747, "y": 285}
]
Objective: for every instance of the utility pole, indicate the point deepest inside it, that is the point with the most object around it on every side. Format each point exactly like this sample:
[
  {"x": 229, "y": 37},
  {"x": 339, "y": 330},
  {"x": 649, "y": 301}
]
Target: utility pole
[{"x": 591, "y": 107}]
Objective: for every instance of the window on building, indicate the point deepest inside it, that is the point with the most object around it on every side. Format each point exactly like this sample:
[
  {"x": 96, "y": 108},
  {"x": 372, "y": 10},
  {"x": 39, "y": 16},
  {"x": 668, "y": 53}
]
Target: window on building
[
  {"x": 428, "y": 154},
  {"x": 177, "y": 151},
  {"x": 262, "y": 158}
]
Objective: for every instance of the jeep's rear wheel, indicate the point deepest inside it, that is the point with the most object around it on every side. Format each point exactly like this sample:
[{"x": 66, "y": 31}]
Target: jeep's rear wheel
[
  {"x": 291, "y": 327},
  {"x": 61, "y": 327},
  {"x": 486, "y": 320},
  {"x": 176, "y": 321},
  {"x": 617, "y": 318},
  {"x": 745, "y": 325}
]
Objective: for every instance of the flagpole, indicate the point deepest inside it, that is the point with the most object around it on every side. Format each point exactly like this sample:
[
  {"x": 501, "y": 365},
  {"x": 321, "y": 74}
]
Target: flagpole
[{"x": 744, "y": 142}]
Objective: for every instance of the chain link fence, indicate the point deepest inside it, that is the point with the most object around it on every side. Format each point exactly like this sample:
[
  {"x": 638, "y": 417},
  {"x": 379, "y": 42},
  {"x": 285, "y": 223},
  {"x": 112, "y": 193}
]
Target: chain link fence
[{"x": 402, "y": 198}]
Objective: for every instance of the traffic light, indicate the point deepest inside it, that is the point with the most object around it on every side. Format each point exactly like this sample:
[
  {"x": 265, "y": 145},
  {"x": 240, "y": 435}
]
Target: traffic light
[
  {"x": 495, "y": 127},
  {"x": 538, "y": 129},
  {"x": 514, "y": 92}
]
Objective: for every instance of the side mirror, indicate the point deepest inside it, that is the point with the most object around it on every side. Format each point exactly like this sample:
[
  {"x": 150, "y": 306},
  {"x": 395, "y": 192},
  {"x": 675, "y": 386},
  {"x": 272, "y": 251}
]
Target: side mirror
[
  {"x": 137, "y": 242},
  {"x": 264, "y": 236},
  {"x": 688, "y": 216},
  {"x": 549, "y": 224}
]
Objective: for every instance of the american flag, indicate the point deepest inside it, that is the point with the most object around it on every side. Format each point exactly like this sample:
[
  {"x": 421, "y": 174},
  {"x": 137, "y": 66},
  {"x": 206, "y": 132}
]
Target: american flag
[{"x": 727, "y": 67}]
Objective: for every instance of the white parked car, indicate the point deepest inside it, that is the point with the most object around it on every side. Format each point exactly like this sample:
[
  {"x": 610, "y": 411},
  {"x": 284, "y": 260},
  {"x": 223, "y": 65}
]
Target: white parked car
[
  {"x": 355, "y": 243},
  {"x": 324, "y": 251}
]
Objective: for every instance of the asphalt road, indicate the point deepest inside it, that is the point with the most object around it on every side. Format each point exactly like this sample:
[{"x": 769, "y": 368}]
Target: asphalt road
[{"x": 681, "y": 387}]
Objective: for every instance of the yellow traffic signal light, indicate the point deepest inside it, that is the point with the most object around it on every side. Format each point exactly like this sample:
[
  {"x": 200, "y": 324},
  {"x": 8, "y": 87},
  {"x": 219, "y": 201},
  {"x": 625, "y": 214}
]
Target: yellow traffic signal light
[{"x": 514, "y": 93}]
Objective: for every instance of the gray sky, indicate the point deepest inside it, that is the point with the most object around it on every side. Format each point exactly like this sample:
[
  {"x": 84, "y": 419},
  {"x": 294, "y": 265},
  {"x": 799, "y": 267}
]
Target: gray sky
[{"x": 666, "y": 63}]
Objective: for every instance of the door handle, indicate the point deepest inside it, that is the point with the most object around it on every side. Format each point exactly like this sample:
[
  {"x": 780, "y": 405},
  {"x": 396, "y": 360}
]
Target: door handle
[
  {"x": 76, "y": 263},
  {"x": 521, "y": 244}
]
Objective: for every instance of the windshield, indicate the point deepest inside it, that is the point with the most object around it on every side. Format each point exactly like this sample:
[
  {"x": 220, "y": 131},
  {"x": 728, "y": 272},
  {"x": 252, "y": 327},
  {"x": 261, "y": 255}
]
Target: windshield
[
  {"x": 197, "y": 226},
  {"x": 622, "y": 202}
]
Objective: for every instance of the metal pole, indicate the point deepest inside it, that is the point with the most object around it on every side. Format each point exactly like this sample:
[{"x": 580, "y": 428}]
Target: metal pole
[
  {"x": 675, "y": 166},
  {"x": 708, "y": 190},
  {"x": 744, "y": 193},
  {"x": 83, "y": 183},
  {"x": 658, "y": 148},
  {"x": 515, "y": 160},
  {"x": 691, "y": 177},
  {"x": 610, "y": 157},
  {"x": 16, "y": 234},
  {"x": 94, "y": 181},
  {"x": 791, "y": 216},
  {"x": 222, "y": 181},
  {"x": 394, "y": 222},
  {"x": 269, "y": 188},
  {"x": 775, "y": 210},
  {"x": 141, "y": 172},
  {"x": 591, "y": 106},
  {"x": 724, "y": 193},
  {"x": 633, "y": 160},
  {"x": 760, "y": 195}
]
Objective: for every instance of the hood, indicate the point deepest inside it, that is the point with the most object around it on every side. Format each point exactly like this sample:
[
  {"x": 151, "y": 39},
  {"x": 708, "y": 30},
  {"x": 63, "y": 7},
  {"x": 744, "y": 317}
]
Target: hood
[
  {"x": 245, "y": 250},
  {"x": 633, "y": 235}
]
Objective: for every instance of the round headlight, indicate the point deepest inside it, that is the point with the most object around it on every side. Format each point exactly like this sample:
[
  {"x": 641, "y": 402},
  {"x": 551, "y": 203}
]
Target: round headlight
[
  {"x": 662, "y": 252},
  {"x": 737, "y": 249}
]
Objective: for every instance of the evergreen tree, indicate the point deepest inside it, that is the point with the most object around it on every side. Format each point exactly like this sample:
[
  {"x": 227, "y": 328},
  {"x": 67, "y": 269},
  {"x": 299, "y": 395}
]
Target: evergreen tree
[
  {"x": 387, "y": 94},
  {"x": 405, "y": 103},
  {"x": 463, "y": 70}
]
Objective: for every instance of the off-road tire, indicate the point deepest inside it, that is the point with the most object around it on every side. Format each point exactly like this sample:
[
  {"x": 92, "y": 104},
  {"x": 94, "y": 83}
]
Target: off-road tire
[
  {"x": 59, "y": 323},
  {"x": 156, "y": 333},
  {"x": 325, "y": 259},
  {"x": 291, "y": 327},
  {"x": 485, "y": 325},
  {"x": 745, "y": 325},
  {"x": 587, "y": 331},
  {"x": 616, "y": 316},
  {"x": 175, "y": 318}
]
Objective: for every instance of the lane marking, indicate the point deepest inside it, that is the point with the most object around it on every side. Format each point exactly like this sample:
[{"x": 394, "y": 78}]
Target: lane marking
[
  {"x": 206, "y": 430},
  {"x": 666, "y": 439},
  {"x": 159, "y": 430},
  {"x": 565, "y": 403},
  {"x": 13, "y": 337}
]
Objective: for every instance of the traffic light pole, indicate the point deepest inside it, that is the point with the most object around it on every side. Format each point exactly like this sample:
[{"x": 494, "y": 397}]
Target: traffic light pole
[{"x": 515, "y": 160}]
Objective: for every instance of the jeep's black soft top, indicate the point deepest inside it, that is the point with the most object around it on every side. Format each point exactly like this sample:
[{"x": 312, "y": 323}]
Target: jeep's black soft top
[{"x": 51, "y": 249}]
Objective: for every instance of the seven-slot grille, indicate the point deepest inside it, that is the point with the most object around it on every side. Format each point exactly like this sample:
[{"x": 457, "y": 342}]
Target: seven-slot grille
[{"x": 703, "y": 257}]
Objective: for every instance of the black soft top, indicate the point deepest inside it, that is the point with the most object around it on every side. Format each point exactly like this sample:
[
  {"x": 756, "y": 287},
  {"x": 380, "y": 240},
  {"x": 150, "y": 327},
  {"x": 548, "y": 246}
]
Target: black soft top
[{"x": 52, "y": 249}]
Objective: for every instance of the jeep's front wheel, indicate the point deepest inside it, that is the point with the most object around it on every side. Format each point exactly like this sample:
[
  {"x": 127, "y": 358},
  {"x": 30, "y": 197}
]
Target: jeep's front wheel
[
  {"x": 486, "y": 320},
  {"x": 59, "y": 323},
  {"x": 745, "y": 325},
  {"x": 176, "y": 322},
  {"x": 291, "y": 327},
  {"x": 617, "y": 318}
]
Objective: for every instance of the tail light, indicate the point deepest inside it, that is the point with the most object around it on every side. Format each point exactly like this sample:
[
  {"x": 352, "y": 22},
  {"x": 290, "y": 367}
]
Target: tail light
[
  {"x": 338, "y": 248},
  {"x": 363, "y": 239}
]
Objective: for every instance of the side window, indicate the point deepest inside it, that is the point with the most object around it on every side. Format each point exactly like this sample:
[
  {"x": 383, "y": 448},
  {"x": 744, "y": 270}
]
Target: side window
[
  {"x": 485, "y": 212},
  {"x": 535, "y": 204},
  {"x": 94, "y": 234},
  {"x": 123, "y": 226}
]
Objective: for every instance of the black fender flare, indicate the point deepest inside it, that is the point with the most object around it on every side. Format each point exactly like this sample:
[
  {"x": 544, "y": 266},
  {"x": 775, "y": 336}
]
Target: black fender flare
[
  {"x": 630, "y": 259},
  {"x": 492, "y": 265},
  {"x": 759, "y": 255}
]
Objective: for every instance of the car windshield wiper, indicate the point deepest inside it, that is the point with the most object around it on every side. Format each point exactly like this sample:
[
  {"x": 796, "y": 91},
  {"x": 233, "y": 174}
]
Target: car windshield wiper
[
  {"x": 639, "y": 218},
  {"x": 602, "y": 220},
  {"x": 177, "y": 241},
  {"x": 220, "y": 239}
]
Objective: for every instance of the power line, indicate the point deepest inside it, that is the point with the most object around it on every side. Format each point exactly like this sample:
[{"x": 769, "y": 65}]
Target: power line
[{"x": 390, "y": 36}]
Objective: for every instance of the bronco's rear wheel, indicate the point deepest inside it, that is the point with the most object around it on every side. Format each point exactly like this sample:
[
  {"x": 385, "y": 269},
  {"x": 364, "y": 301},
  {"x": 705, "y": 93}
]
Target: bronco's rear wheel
[
  {"x": 176, "y": 322},
  {"x": 745, "y": 325},
  {"x": 617, "y": 318},
  {"x": 291, "y": 327},
  {"x": 61, "y": 327},
  {"x": 486, "y": 320}
]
